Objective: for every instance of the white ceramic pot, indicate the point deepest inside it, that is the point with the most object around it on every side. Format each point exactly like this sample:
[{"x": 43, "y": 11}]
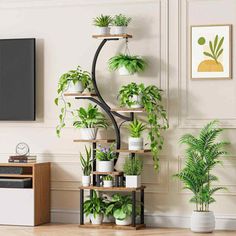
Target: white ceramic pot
[
  {"x": 135, "y": 143},
  {"x": 126, "y": 221},
  {"x": 119, "y": 29},
  {"x": 103, "y": 30},
  {"x": 137, "y": 99},
  {"x": 86, "y": 180},
  {"x": 203, "y": 222},
  {"x": 107, "y": 183},
  {"x": 105, "y": 166},
  {"x": 88, "y": 133},
  {"x": 133, "y": 181},
  {"x": 96, "y": 220},
  {"x": 75, "y": 88},
  {"x": 123, "y": 71}
]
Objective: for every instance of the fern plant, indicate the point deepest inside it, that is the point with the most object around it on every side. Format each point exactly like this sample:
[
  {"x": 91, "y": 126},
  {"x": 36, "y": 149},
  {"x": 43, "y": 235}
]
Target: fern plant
[
  {"x": 136, "y": 128},
  {"x": 102, "y": 20},
  {"x": 202, "y": 156},
  {"x": 86, "y": 162},
  {"x": 108, "y": 178},
  {"x": 133, "y": 166}
]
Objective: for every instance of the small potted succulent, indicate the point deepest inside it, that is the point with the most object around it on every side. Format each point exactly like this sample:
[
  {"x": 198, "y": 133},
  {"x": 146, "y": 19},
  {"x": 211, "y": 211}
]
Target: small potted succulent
[
  {"x": 95, "y": 208},
  {"x": 86, "y": 163},
  {"x": 135, "y": 140},
  {"x": 105, "y": 158},
  {"x": 132, "y": 169},
  {"x": 127, "y": 64},
  {"x": 107, "y": 181},
  {"x": 119, "y": 24},
  {"x": 88, "y": 121},
  {"x": 102, "y": 23}
]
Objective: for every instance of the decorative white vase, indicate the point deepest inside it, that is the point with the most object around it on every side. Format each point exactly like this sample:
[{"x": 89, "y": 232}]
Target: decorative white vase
[
  {"x": 123, "y": 71},
  {"x": 135, "y": 143},
  {"x": 119, "y": 29},
  {"x": 88, "y": 133},
  {"x": 102, "y": 30},
  {"x": 202, "y": 222},
  {"x": 96, "y": 220},
  {"x": 75, "y": 88},
  {"x": 105, "y": 166},
  {"x": 126, "y": 221},
  {"x": 133, "y": 181},
  {"x": 86, "y": 180},
  {"x": 107, "y": 183},
  {"x": 137, "y": 99}
]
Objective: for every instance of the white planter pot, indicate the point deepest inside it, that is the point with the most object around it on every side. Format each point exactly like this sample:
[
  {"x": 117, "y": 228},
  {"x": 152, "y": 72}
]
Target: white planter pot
[
  {"x": 123, "y": 71},
  {"x": 86, "y": 180},
  {"x": 105, "y": 166},
  {"x": 133, "y": 181},
  {"x": 203, "y": 222},
  {"x": 102, "y": 30},
  {"x": 126, "y": 221},
  {"x": 96, "y": 220},
  {"x": 135, "y": 143},
  {"x": 75, "y": 88},
  {"x": 138, "y": 101},
  {"x": 107, "y": 183},
  {"x": 88, "y": 133},
  {"x": 119, "y": 29}
]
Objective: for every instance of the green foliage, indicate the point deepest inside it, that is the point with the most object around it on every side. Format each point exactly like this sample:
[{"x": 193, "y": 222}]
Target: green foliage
[
  {"x": 86, "y": 162},
  {"x": 105, "y": 153},
  {"x": 108, "y": 178},
  {"x": 202, "y": 156},
  {"x": 89, "y": 118},
  {"x": 102, "y": 20},
  {"x": 132, "y": 63},
  {"x": 133, "y": 166},
  {"x": 215, "y": 48},
  {"x": 136, "y": 128},
  {"x": 120, "y": 20},
  {"x": 95, "y": 205}
]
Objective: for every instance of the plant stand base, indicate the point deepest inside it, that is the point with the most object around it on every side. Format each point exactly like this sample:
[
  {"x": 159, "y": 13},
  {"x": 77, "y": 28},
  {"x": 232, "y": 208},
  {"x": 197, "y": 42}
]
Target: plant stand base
[{"x": 113, "y": 226}]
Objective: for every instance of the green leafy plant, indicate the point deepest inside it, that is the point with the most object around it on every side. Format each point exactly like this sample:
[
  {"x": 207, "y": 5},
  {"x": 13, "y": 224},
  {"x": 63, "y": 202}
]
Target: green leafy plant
[
  {"x": 132, "y": 63},
  {"x": 102, "y": 20},
  {"x": 86, "y": 162},
  {"x": 108, "y": 178},
  {"x": 133, "y": 166},
  {"x": 215, "y": 48},
  {"x": 105, "y": 153},
  {"x": 120, "y": 20},
  {"x": 89, "y": 118},
  {"x": 202, "y": 156},
  {"x": 95, "y": 205},
  {"x": 136, "y": 128},
  {"x": 74, "y": 76}
]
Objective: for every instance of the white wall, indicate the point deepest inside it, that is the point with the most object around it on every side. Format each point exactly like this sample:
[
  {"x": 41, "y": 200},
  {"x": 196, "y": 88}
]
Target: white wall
[{"x": 161, "y": 30}]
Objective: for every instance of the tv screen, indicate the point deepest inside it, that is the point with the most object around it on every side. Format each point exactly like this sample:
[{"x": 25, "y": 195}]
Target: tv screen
[{"x": 17, "y": 79}]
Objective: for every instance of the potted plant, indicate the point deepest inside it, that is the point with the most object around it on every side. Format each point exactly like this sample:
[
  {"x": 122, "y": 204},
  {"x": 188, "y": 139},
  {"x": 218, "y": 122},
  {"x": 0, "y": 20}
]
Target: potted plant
[
  {"x": 132, "y": 169},
  {"x": 127, "y": 64},
  {"x": 95, "y": 208},
  {"x": 135, "y": 140},
  {"x": 107, "y": 181},
  {"x": 102, "y": 22},
  {"x": 119, "y": 24},
  {"x": 202, "y": 156},
  {"x": 105, "y": 158},
  {"x": 88, "y": 121},
  {"x": 86, "y": 163}
]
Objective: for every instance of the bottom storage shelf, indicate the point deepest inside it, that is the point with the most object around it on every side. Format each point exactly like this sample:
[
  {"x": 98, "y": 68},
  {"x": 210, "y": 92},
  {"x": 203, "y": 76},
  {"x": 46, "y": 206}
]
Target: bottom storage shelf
[{"x": 113, "y": 226}]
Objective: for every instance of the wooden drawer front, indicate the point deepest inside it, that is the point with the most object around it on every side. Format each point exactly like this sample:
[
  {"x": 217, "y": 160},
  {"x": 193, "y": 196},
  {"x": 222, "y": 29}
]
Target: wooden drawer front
[{"x": 17, "y": 206}]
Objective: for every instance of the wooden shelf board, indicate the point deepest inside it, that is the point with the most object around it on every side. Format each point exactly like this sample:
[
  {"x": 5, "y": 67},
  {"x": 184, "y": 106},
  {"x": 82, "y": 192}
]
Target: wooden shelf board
[
  {"x": 134, "y": 151},
  {"x": 16, "y": 176},
  {"x": 122, "y": 189},
  {"x": 113, "y": 226},
  {"x": 127, "y": 110},
  {"x": 95, "y": 141},
  {"x": 112, "y": 36},
  {"x": 80, "y": 94},
  {"x": 108, "y": 173}
]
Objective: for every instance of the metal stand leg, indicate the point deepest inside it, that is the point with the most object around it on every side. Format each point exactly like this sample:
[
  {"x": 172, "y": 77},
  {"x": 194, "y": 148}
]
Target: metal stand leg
[
  {"x": 81, "y": 206},
  {"x": 142, "y": 206},
  {"x": 133, "y": 208},
  {"x": 116, "y": 180},
  {"x": 94, "y": 163},
  {"x": 98, "y": 180}
]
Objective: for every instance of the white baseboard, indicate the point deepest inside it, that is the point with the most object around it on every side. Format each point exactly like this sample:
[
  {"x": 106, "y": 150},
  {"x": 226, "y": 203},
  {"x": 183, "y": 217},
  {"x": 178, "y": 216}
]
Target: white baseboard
[{"x": 223, "y": 222}]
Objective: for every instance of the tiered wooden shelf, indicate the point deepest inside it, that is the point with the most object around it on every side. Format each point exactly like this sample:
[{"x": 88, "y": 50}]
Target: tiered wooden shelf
[
  {"x": 112, "y": 36},
  {"x": 95, "y": 141},
  {"x": 134, "y": 151},
  {"x": 80, "y": 94},
  {"x": 113, "y": 173},
  {"x": 114, "y": 189},
  {"x": 113, "y": 226},
  {"x": 128, "y": 110}
]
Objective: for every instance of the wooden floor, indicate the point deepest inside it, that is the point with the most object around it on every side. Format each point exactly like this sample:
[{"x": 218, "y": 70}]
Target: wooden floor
[{"x": 73, "y": 230}]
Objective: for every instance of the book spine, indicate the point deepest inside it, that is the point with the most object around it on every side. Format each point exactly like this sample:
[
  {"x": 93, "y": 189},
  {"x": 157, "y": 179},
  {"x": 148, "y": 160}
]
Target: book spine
[{"x": 21, "y": 161}]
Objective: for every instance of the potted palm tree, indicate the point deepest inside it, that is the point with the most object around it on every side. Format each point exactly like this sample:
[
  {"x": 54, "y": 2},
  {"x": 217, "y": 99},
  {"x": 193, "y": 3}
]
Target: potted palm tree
[
  {"x": 88, "y": 121},
  {"x": 119, "y": 24},
  {"x": 107, "y": 181},
  {"x": 86, "y": 163},
  {"x": 202, "y": 156},
  {"x": 102, "y": 22}
]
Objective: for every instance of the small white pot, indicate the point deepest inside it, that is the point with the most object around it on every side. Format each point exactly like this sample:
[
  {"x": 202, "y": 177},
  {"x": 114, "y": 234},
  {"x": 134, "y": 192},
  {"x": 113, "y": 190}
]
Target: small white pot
[
  {"x": 86, "y": 180},
  {"x": 133, "y": 181},
  {"x": 75, "y": 88},
  {"x": 126, "y": 221},
  {"x": 119, "y": 29},
  {"x": 88, "y": 133},
  {"x": 138, "y": 101},
  {"x": 105, "y": 166},
  {"x": 203, "y": 222},
  {"x": 107, "y": 183},
  {"x": 96, "y": 220},
  {"x": 135, "y": 143},
  {"x": 123, "y": 71},
  {"x": 103, "y": 30}
]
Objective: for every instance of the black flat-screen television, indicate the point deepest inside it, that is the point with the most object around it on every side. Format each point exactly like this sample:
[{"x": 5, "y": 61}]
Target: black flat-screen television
[{"x": 17, "y": 79}]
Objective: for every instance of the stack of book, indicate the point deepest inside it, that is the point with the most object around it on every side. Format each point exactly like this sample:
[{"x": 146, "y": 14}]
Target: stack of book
[{"x": 22, "y": 159}]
